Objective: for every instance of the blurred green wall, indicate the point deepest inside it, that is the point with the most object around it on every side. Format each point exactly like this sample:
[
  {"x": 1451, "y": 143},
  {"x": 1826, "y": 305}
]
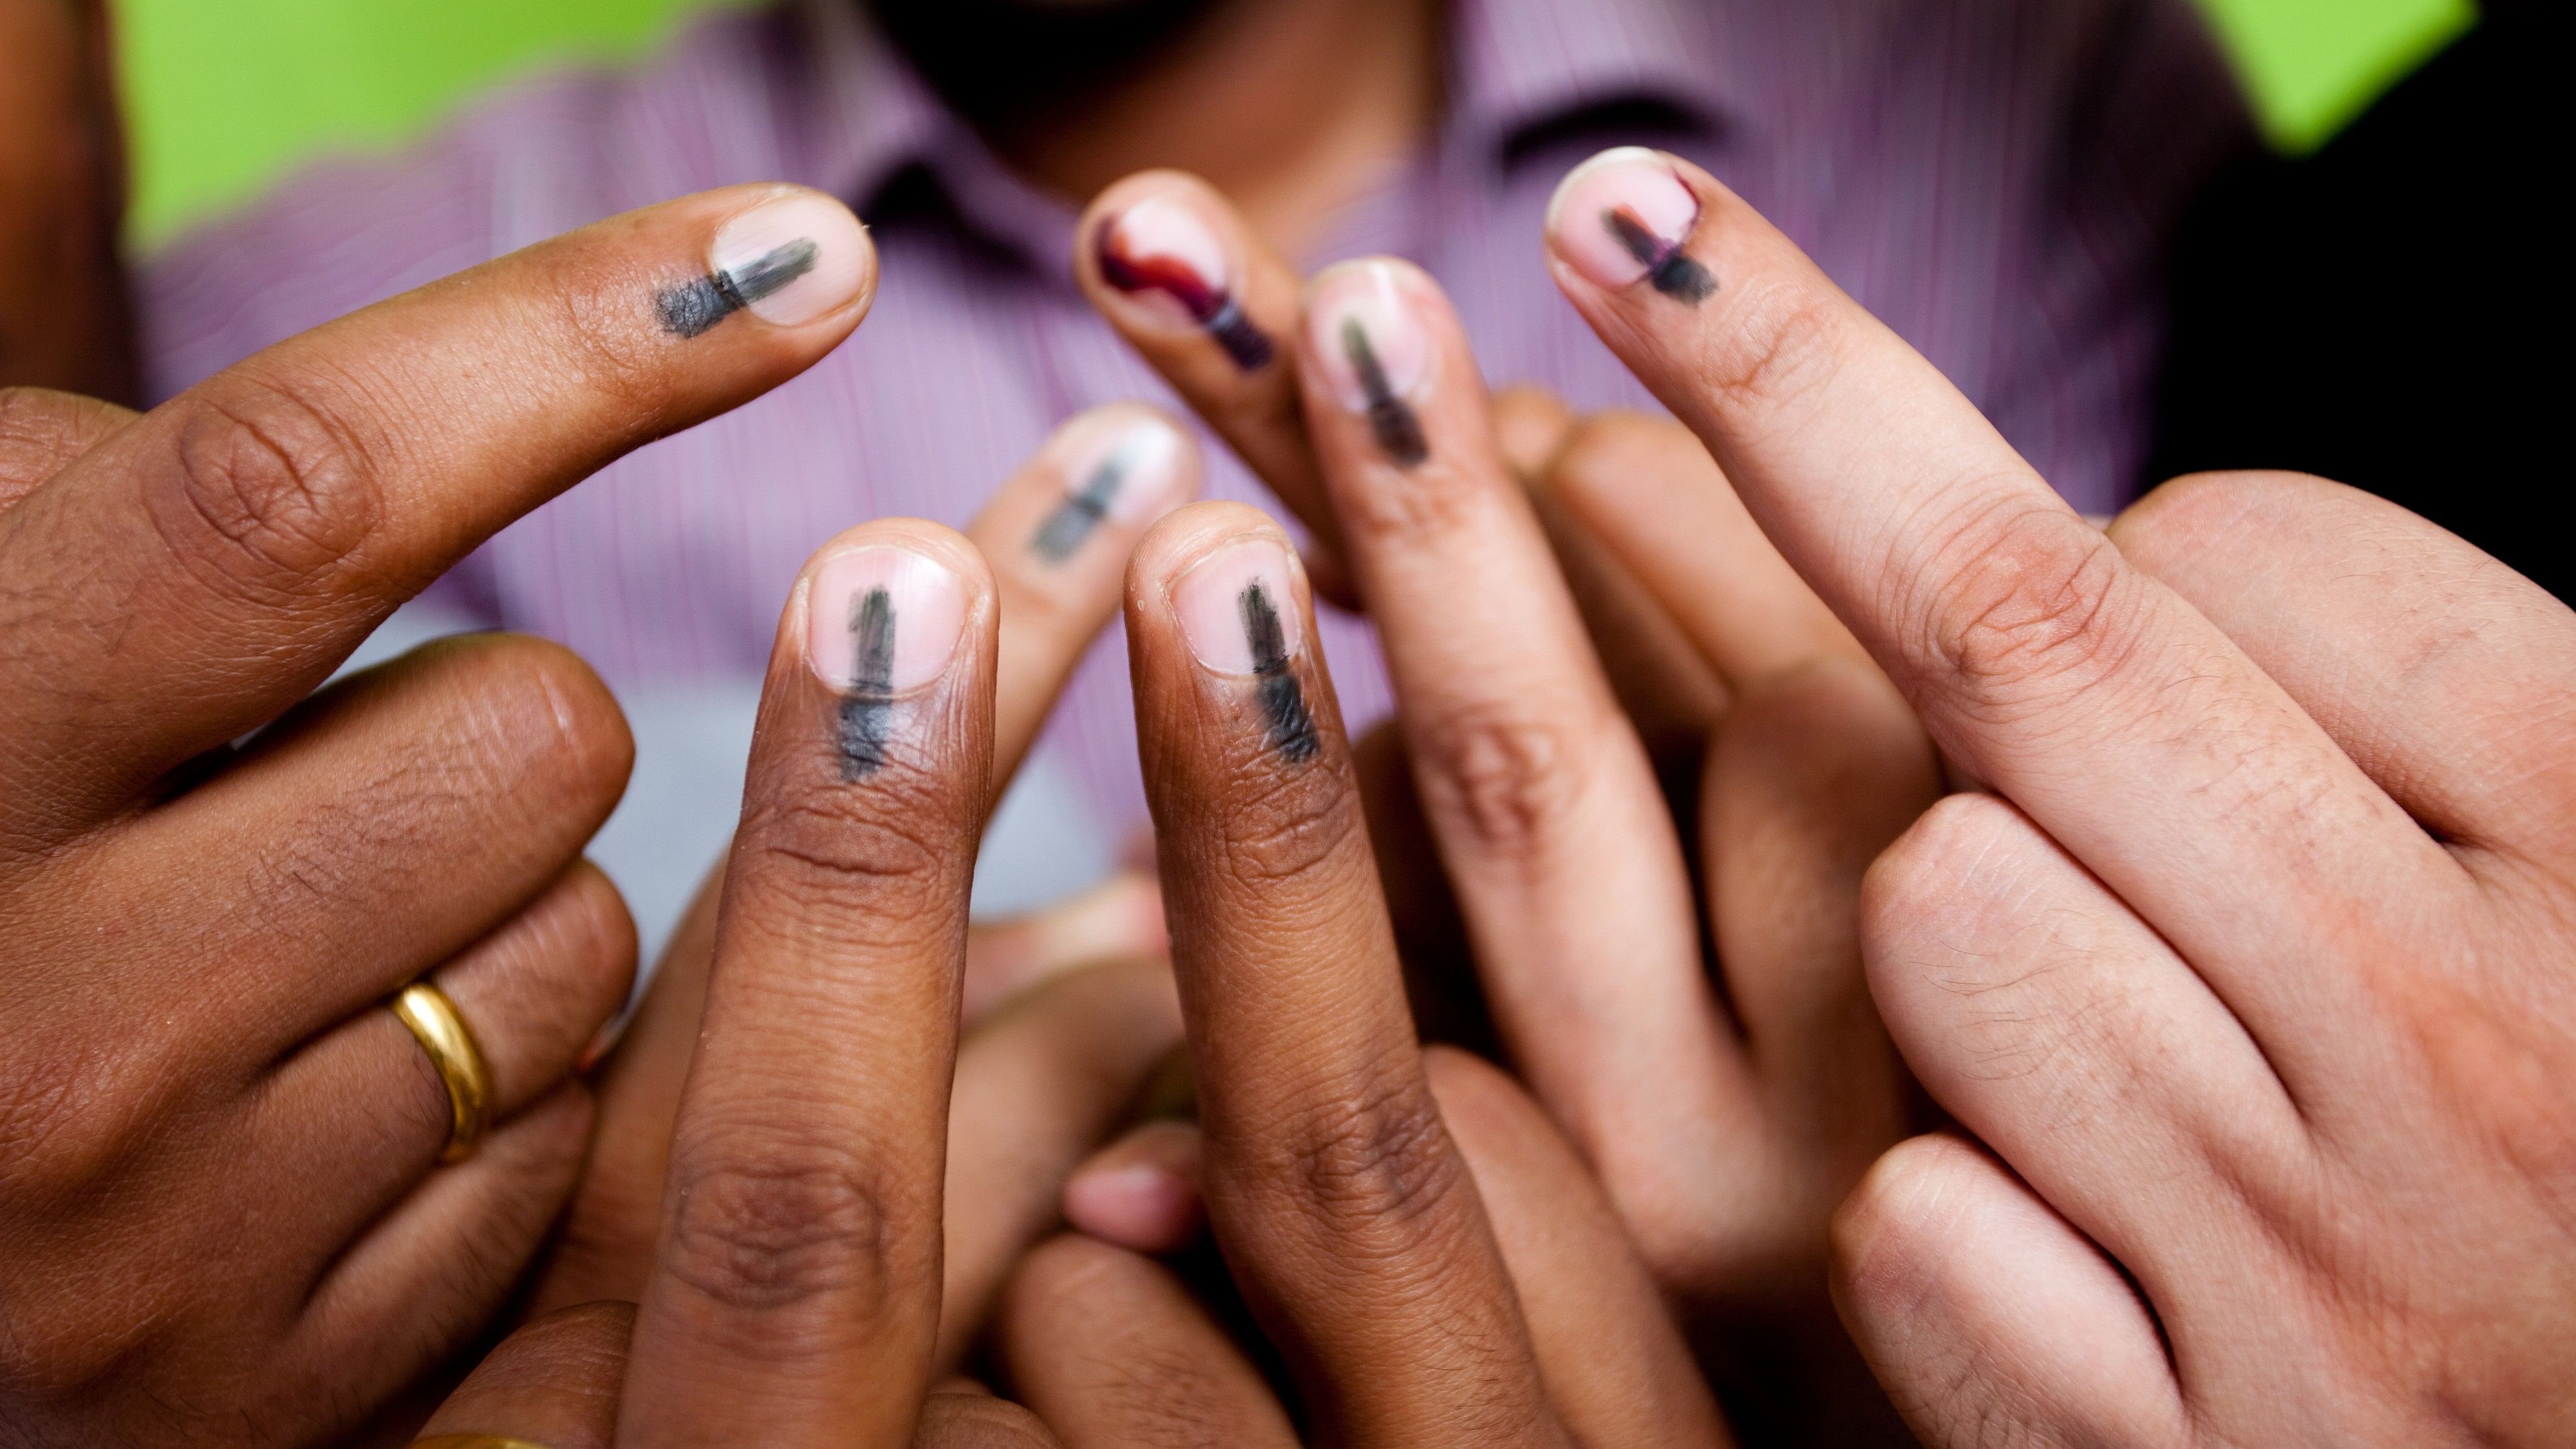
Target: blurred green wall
[{"x": 226, "y": 94}]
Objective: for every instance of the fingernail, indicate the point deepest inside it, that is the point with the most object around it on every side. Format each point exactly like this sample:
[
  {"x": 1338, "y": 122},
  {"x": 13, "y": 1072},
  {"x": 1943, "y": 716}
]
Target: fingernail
[
  {"x": 1624, "y": 217},
  {"x": 1239, "y": 618},
  {"x": 1119, "y": 465},
  {"x": 1164, "y": 253},
  {"x": 786, "y": 262},
  {"x": 880, "y": 622},
  {"x": 1373, "y": 352}
]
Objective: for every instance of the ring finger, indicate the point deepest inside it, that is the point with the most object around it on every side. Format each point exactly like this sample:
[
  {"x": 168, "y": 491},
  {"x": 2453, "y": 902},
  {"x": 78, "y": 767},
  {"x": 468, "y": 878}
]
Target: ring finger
[{"x": 366, "y": 1105}]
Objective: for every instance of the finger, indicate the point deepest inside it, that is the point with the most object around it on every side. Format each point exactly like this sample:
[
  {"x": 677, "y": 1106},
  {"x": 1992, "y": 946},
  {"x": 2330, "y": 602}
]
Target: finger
[
  {"x": 1663, "y": 683},
  {"x": 1112, "y": 1352},
  {"x": 1119, "y": 919},
  {"x": 2442, "y": 673},
  {"x": 1142, "y": 1191},
  {"x": 42, "y": 433},
  {"x": 1614, "y": 1364},
  {"x": 796, "y": 1297},
  {"x": 1038, "y": 1087},
  {"x": 554, "y": 1382},
  {"x": 2086, "y": 692},
  {"x": 1339, "y": 1201},
  {"x": 959, "y": 1420},
  {"x": 434, "y": 1272},
  {"x": 239, "y": 540},
  {"x": 1812, "y": 774},
  {"x": 1177, "y": 271},
  {"x": 1647, "y": 489},
  {"x": 1531, "y": 426},
  {"x": 606, "y": 1245},
  {"x": 2067, "y": 1036},
  {"x": 1547, "y": 811},
  {"x": 1057, "y": 536},
  {"x": 364, "y": 1110},
  {"x": 1989, "y": 1320},
  {"x": 383, "y": 827}
]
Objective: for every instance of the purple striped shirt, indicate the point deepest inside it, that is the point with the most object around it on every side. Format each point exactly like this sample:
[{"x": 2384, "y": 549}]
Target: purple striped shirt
[{"x": 1994, "y": 178}]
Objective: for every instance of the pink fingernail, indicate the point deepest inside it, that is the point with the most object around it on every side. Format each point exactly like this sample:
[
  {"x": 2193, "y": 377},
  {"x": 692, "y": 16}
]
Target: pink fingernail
[
  {"x": 881, "y": 622},
  {"x": 1373, "y": 353},
  {"x": 1625, "y": 216},
  {"x": 1164, "y": 253},
  {"x": 1239, "y": 618},
  {"x": 787, "y": 262},
  {"x": 1120, "y": 465}
]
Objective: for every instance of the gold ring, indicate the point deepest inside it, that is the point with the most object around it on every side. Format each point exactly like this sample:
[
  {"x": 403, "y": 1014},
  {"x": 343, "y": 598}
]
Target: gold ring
[
  {"x": 473, "y": 1441},
  {"x": 442, "y": 1033}
]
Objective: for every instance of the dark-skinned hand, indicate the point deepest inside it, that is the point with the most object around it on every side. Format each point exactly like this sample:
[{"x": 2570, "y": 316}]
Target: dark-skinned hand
[{"x": 223, "y": 1217}]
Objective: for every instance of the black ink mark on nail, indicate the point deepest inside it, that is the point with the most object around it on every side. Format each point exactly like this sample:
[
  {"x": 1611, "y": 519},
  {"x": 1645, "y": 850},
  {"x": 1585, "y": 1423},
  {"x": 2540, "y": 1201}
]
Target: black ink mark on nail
[
  {"x": 1283, "y": 702},
  {"x": 1211, "y": 306},
  {"x": 1398, "y": 431},
  {"x": 692, "y": 308},
  {"x": 1675, "y": 273},
  {"x": 867, "y": 706},
  {"x": 1075, "y": 518}
]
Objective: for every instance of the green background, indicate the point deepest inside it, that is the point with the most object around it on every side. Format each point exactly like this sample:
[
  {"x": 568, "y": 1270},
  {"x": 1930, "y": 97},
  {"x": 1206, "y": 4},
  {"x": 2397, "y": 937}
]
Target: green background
[{"x": 226, "y": 94}]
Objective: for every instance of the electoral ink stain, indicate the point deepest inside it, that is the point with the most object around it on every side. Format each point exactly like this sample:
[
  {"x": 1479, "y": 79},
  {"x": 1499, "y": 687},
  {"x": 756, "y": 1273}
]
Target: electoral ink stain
[
  {"x": 1398, "y": 431},
  {"x": 867, "y": 706},
  {"x": 692, "y": 308},
  {"x": 1674, "y": 274},
  {"x": 1283, "y": 702},
  {"x": 1075, "y": 518},
  {"x": 1212, "y": 307}
]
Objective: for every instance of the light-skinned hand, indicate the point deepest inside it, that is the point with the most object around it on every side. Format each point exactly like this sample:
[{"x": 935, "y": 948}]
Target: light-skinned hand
[{"x": 2251, "y": 978}]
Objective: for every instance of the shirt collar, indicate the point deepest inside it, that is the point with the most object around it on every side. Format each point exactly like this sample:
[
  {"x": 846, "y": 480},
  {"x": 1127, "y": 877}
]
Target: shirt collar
[{"x": 1516, "y": 65}]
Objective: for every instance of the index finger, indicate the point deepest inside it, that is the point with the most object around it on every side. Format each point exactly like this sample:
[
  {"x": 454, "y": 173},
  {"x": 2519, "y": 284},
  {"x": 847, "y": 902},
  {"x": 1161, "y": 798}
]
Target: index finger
[
  {"x": 214, "y": 560},
  {"x": 2101, "y": 703},
  {"x": 1345, "y": 1211},
  {"x": 1183, "y": 277},
  {"x": 795, "y": 1299}
]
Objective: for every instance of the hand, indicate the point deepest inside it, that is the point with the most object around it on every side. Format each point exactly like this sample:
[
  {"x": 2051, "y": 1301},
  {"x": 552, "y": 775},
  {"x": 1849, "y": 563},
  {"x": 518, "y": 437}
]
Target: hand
[
  {"x": 1048, "y": 1079},
  {"x": 64, "y": 318},
  {"x": 1726, "y": 1118},
  {"x": 2252, "y": 979},
  {"x": 222, "y": 1217},
  {"x": 794, "y": 1297},
  {"x": 1410, "y": 1236}
]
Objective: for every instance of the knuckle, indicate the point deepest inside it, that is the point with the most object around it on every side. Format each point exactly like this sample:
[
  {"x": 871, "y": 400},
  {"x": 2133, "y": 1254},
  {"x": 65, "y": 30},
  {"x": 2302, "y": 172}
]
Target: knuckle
[
  {"x": 1372, "y": 1162},
  {"x": 2037, "y": 600},
  {"x": 62, "y": 1126},
  {"x": 1917, "y": 882},
  {"x": 757, "y": 1228},
  {"x": 553, "y": 711},
  {"x": 979, "y": 1421},
  {"x": 1885, "y": 1237},
  {"x": 1508, "y": 778},
  {"x": 876, "y": 868},
  {"x": 265, "y": 491},
  {"x": 1287, "y": 825},
  {"x": 1786, "y": 342}
]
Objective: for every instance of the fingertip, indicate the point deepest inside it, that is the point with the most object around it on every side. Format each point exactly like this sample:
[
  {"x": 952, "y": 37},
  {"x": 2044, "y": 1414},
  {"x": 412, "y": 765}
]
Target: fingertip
[
  {"x": 1163, "y": 253},
  {"x": 788, "y": 256},
  {"x": 1127, "y": 463},
  {"x": 886, "y": 605},
  {"x": 1188, "y": 534},
  {"x": 1142, "y": 1192},
  {"x": 1629, "y": 215}
]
